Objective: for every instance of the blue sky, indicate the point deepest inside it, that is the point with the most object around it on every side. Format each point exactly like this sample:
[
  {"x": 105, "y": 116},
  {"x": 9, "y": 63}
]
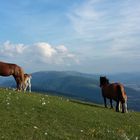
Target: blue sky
[{"x": 92, "y": 36}]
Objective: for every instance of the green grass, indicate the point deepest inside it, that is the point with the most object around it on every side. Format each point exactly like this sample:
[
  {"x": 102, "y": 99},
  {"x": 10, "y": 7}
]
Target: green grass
[{"x": 34, "y": 116}]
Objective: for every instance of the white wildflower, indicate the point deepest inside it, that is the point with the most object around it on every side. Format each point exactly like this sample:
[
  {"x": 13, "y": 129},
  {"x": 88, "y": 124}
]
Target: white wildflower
[
  {"x": 43, "y": 103},
  {"x": 46, "y": 133},
  {"x": 81, "y": 131},
  {"x": 35, "y": 127},
  {"x": 8, "y": 103}
]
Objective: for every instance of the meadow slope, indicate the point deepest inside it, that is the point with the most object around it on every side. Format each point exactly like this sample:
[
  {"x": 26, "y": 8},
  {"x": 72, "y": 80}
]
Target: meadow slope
[{"x": 25, "y": 116}]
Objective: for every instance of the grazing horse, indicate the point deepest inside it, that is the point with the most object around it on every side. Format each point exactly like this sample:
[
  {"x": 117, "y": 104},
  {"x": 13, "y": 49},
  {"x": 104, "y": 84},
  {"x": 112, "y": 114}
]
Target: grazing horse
[
  {"x": 27, "y": 82},
  {"x": 114, "y": 91},
  {"x": 8, "y": 69}
]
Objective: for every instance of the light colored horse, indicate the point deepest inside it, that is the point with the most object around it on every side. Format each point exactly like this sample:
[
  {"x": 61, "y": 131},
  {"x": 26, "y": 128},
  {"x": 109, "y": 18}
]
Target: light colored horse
[
  {"x": 114, "y": 91},
  {"x": 8, "y": 69},
  {"x": 27, "y": 82}
]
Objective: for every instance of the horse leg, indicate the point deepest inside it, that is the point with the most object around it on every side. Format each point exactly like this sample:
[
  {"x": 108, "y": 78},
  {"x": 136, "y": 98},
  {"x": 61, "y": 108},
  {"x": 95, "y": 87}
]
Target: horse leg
[
  {"x": 17, "y": 82},
  {"x": 29, "y": 84},
  {"x": 19, "y": 86},
  {"x": 105, "y": 102},
  {"x": 117, "y": 106},
  {"x": 29, "y": 87},
  {"x": 120, "y": 107},
  {"x": 111, "y": 103},
  {"x": 25, "y": 88},
  {"x": 124, "y": 107}
]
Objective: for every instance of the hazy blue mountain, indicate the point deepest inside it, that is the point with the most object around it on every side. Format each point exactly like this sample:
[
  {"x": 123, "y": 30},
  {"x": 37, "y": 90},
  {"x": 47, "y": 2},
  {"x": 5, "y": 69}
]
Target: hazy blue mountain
[
  {"x": 131, "y": 80},
  {"x": 72, "y": 84},
  {"x": 78, "y": 85},
  {"x": 126, "y": 77}
]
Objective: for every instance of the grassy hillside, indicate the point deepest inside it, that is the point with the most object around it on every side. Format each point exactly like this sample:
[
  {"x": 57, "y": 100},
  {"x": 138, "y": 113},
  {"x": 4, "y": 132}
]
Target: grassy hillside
[{"x": 26, "y": 116}]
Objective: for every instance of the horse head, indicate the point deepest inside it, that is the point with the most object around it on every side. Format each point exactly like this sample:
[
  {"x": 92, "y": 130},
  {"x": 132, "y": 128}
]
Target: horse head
[{"x": 103, "y": 81}]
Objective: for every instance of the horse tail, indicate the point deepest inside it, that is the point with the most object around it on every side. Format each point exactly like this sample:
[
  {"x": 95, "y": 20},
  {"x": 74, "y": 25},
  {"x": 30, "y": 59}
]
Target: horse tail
[
  {"x": 122, "y": 97},
  {"x": 121, "y": 93}
]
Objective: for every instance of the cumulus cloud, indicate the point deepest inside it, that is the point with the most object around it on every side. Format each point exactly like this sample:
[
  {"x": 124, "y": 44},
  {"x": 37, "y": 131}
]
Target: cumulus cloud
[
  {"x": 45, "y": 49},
  {"x": 54, "y": 55},
  {"x": 8, "y": 49},
  {"x": 39, "y": 52}
]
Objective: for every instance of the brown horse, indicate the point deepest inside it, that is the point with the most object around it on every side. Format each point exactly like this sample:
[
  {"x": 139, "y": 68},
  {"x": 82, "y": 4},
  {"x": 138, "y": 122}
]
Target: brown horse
[
  {"x": 114, "y": 91},
  {"x": 8, "y": 69}
]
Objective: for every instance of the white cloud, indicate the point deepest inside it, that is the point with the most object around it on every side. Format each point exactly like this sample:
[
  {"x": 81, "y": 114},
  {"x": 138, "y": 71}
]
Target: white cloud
[
  {"x": 62, "y": 49},
  {"x": 41, "y": 52},
  {"x": 54, "y": 55},
  {"x": 45, "y": 49},
  {"x": 8, "y": 49}
]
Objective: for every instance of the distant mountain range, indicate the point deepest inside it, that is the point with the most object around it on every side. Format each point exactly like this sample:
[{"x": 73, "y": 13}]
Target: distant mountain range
[{"x": 79, "y": 85}]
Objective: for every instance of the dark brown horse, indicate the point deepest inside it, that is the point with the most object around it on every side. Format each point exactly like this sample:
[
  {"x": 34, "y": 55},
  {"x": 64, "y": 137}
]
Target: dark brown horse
[
  {"x": 114, "y": 91},
  {"x": 8, "y": 69}
]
